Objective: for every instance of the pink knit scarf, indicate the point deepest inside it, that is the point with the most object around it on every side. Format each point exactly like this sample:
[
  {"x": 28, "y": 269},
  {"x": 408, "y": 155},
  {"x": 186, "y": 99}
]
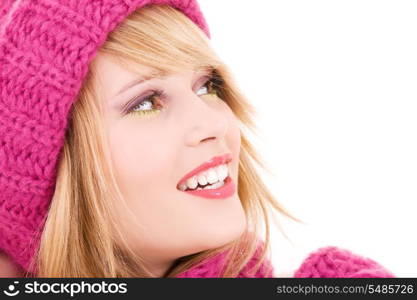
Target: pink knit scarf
[{"x": 326, "y": 262}]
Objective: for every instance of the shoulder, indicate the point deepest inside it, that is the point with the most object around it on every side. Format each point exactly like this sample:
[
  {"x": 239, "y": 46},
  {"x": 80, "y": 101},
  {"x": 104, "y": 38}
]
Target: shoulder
[{"x": 334, "y": 262}]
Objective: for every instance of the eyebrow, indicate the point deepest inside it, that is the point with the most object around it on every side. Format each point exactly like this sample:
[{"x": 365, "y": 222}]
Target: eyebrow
[
  {"x": 141, "y": 80},
  {"x": 157, "y": 75}
]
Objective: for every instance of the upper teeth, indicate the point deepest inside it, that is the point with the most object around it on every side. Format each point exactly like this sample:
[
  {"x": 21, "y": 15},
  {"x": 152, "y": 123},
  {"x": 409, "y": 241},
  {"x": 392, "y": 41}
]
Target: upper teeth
[{"x": 212, "y": 175}]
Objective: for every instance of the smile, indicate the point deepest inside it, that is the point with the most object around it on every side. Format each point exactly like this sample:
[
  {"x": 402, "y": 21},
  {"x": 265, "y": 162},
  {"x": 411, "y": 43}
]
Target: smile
[
  {"x": 224, "y": 190},
  {"x": 211, "y": 179}
]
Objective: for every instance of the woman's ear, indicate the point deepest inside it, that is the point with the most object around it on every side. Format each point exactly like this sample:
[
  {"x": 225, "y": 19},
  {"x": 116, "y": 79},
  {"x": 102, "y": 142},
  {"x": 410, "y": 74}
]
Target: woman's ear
[{"x": 8, "y": 268}]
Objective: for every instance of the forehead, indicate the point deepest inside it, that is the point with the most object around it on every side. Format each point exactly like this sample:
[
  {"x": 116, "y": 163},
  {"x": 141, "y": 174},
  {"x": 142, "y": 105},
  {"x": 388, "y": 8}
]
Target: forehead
[
  {"x": 110, "y": 66},
  {"x": 111, "y": 76},
  {"x": 113, "y": 72}
]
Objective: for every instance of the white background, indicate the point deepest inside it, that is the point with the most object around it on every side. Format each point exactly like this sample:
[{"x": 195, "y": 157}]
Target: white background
[{"x": 335, "y": 86}]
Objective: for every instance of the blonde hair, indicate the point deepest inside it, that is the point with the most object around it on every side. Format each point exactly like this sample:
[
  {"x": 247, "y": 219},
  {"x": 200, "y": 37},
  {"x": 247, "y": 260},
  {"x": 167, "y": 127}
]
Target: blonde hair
[{"x": 80, "y": 228}]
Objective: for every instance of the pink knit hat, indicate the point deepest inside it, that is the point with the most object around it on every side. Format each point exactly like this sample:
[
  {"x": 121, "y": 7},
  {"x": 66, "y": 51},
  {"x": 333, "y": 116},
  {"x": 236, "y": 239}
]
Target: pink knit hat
[{"x": 46, "y": 47}]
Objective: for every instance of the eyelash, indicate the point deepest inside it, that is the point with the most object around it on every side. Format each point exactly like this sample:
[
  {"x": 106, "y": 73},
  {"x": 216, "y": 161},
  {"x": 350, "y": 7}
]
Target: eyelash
[{"x": 157, "y": 97}]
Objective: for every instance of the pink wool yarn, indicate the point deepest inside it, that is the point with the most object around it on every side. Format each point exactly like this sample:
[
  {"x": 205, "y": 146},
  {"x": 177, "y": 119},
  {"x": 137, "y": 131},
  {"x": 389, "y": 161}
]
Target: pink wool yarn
[
  {"x": 333, "y": 262},
  {"x": 211, "y": 268},
  {"x": 326, "y": 262}
]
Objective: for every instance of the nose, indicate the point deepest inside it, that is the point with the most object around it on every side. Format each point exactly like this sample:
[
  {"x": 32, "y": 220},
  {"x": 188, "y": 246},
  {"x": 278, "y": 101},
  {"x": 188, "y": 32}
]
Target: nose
[{"x": 206, "y": 119}]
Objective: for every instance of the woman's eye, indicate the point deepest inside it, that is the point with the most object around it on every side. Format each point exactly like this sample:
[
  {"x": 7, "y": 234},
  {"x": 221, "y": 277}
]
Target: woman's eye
[
  {"x": 144, "y": 106},
  {"x": 155, "y": 101},
  {"x": 209, "y": 87}
]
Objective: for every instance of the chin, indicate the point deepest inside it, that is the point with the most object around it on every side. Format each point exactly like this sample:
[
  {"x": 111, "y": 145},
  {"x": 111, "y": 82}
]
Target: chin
[{"x": 223, "y": 234}]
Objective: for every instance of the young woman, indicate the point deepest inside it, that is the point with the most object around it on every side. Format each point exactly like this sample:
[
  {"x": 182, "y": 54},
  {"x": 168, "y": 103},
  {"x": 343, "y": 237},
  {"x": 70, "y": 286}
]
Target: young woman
[{"x": 123, "y": 147}]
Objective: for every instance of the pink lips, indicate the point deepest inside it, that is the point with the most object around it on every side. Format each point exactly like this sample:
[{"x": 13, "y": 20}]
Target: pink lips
[{"x": 215, "y": 161}]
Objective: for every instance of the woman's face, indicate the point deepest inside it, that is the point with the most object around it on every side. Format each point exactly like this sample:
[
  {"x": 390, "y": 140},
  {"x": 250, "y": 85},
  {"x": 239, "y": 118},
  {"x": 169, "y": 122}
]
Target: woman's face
[{"x": 154, "y": 146}]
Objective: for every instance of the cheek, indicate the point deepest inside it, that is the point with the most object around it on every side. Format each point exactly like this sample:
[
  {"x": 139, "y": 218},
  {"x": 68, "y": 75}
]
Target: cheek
[
  {"x": 138, "y": 162},
  {"x": 142, "y": 173}
]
